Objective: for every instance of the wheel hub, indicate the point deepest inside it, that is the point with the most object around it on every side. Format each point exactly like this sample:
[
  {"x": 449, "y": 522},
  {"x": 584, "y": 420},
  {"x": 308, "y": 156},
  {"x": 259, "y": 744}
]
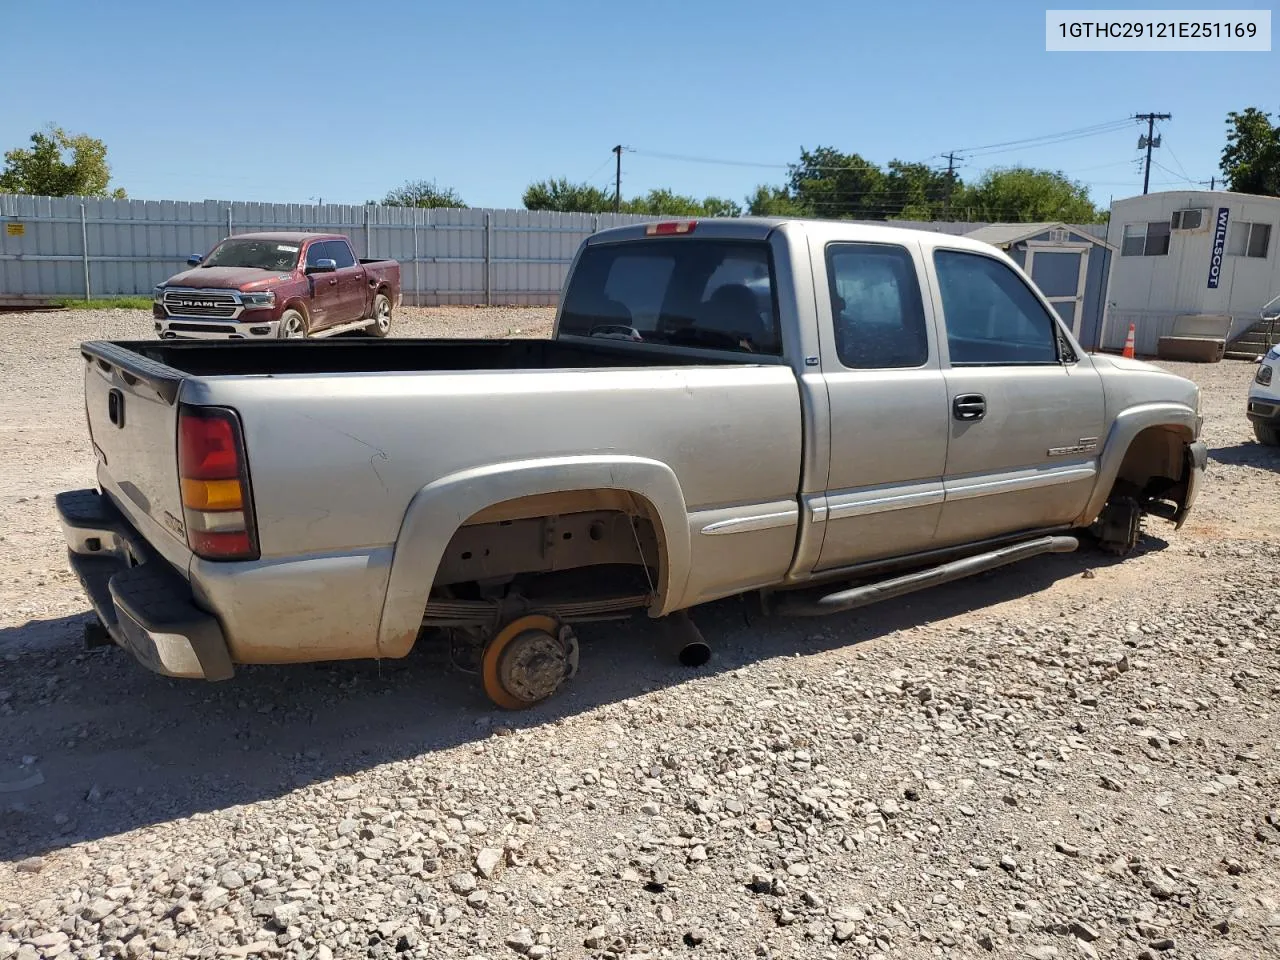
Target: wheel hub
[
  {"x": 533, "y": 665},
  {"x": 528, "y": 660}
]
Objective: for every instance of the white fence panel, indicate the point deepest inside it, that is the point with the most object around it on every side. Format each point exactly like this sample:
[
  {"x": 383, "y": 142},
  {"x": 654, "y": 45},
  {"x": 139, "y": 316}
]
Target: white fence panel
[{"x": 92, "y": 246}]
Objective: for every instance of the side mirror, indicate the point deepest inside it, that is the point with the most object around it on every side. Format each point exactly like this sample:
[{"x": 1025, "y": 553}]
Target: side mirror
[
  {"x": 322, "y": 266},
  {"x": 194, "y": 259}
]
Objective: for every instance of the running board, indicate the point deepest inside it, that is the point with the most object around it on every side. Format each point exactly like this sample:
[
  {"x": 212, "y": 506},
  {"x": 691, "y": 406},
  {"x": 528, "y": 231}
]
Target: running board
[
  {"x": 364, "y": 324},
  {"x": 854, "y": 597}
]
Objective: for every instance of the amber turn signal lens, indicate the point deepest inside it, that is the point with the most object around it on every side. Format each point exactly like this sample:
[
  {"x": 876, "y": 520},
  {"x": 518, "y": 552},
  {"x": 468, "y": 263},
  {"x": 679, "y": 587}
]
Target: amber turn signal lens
[{"x": 212, "y": 494}]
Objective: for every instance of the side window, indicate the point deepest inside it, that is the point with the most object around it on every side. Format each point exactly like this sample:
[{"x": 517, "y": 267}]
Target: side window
[
  {"x": 340, "y": 251},
  {"x": 876, "y": 306},
  {"x": 991, "y": 316},
  {"x": 318, "y": 251}
]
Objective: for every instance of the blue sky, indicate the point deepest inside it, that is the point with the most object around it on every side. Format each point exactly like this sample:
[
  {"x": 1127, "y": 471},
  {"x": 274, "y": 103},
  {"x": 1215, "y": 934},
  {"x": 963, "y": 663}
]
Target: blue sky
[{"x": 288, "y": 101}]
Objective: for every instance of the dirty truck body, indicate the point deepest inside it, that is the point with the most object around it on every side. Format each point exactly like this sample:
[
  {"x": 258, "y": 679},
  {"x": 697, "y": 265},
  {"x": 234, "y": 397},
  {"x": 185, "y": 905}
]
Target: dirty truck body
[{"x": 726, "y": 406}]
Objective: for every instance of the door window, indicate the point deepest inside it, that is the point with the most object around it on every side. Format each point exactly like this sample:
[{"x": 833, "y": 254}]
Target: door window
[
  {"x": 318, "y": 251},
  {"x": 876, "y": 306},
  {"x": 340, "y": 252},
  {"x": 991, "y": 316}
]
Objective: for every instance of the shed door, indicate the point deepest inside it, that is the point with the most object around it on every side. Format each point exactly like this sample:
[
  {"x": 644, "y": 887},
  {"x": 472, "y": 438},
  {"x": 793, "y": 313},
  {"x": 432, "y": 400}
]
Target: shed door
[{"x": 1059, "y": 270}]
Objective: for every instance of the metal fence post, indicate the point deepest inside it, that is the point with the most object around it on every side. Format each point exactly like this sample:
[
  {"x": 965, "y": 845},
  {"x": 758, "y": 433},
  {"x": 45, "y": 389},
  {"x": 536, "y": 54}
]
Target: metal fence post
[
  {"x": 368, "y": 240},
  {"x": 595, "y": 223},
  {"x": 230, "y": 230},
  {"x": 84, "y": 251},
  {"x": 488, "y": 260},
  {"x": 417, "y": 277}
]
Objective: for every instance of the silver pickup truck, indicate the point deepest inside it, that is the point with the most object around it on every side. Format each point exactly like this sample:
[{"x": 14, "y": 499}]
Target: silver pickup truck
[{"x": 779, "y": 408}]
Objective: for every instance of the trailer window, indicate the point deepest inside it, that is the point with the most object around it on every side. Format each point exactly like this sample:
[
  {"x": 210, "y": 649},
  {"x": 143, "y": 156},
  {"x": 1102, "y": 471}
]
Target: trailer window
[
  {"x": 714, "y": 294},
  {"x": 1145, "y": 239},
  {"x": 1249, "y": 239}
]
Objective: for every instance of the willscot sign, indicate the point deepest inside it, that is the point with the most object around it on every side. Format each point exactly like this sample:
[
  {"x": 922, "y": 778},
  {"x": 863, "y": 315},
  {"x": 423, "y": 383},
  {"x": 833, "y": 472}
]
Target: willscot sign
[{"x": 1219, "y": 245}]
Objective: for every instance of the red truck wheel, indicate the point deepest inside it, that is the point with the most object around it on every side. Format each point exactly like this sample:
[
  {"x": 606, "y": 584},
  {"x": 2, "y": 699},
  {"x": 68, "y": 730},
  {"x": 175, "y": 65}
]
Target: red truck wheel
[
  {"x": 293, "y": 326},
  {"x": 381, "y": 325}
]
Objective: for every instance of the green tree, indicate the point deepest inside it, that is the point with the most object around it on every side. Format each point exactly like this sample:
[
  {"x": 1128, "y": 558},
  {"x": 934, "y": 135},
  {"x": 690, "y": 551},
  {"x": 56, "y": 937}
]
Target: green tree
[
  {"x": 422, "y": 193},
  {"x": 1024, "y": 195},
  {"x": 1251, "y": 158},
  {"x": 565, "y": 197},
  {"x": 59, "y": 164},
  {"x": 915, "y": 191},
  {"x": 838, "y": 186},
  {"x": 770, "y": 201},
  {"x": 721, "y": 207},
  {"x": 664, "y": 202}
]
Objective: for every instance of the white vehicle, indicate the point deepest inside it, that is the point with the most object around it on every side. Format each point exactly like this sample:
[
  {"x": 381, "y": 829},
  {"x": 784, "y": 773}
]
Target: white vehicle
[{"x": 1264, "y": 399}]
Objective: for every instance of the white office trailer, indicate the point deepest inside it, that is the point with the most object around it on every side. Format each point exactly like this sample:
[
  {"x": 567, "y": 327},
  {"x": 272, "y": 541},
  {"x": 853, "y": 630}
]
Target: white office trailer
[{"x": 1191, "y": 262}]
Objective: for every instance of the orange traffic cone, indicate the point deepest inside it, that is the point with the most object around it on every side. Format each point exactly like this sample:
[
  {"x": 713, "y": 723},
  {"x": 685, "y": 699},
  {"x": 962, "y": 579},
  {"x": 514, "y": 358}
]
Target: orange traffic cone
[{"x": 1128, "y": 343}]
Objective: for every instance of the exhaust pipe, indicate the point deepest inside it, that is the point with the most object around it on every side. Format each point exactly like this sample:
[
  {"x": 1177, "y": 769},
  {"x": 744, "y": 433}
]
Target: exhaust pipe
[
  {"x": 684, "y": 640},
  {"x": 870, "y": 593}
]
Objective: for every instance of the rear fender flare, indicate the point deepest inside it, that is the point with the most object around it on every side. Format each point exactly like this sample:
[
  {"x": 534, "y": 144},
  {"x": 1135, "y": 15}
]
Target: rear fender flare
[
  {"x": 442, "y": 506},
  {"x": 1127, "y": 425}
]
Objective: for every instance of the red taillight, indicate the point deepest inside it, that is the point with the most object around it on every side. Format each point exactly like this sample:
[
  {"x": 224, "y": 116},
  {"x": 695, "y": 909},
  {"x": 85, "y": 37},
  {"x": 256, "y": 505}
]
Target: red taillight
[
  {"x": 670, "y": 227},
  {"x": 207, "y": 446},
  {"x": 214, "y": 478}
]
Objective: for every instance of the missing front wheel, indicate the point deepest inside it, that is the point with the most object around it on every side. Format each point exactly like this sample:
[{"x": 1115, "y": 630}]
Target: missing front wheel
[{"x": 1119, "y": 527}]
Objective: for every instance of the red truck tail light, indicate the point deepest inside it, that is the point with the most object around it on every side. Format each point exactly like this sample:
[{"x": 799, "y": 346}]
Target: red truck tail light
[
  {"x": 670, "y": 227},
  {"x": 214, "y": 475}
]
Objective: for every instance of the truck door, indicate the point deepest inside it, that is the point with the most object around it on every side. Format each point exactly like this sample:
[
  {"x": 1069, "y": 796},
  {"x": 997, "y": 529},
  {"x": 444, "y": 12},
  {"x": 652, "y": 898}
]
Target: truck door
[
  {"x": 351, "y": 283},
  {"x": 888, "y": 404},
  {"x": 325, "y": 295},
  {"x": 1026, "y": 414}
]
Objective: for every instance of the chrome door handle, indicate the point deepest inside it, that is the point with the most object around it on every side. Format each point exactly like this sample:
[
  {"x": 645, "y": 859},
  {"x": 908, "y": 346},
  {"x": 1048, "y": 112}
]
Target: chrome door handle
[{"x": 969, "y": 407}]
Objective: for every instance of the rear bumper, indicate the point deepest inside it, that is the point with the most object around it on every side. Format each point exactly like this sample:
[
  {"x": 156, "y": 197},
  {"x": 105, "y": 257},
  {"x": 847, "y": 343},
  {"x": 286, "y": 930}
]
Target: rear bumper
[{"x": 144, "y": 603}]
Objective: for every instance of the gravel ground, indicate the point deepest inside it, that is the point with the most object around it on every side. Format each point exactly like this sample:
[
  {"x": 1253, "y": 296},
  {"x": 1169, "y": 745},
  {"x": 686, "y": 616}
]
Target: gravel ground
[{"x": 1070, "y": 758}]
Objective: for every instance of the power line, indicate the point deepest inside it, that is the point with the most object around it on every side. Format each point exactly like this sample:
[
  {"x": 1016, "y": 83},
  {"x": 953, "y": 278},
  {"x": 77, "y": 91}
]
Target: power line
[
  {"x": 1173, "y": 156},
  {"x": 684, "y": 158},
  {"x": 1091, "y": 130},
  {"x": 1184, "y": 179},
  {"x": 596, "y": 172},
  {"x": 1047, "y": 143}
]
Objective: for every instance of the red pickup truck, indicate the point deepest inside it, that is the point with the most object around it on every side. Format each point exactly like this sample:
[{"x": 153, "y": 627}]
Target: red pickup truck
[{"x": 259, "y": 286}]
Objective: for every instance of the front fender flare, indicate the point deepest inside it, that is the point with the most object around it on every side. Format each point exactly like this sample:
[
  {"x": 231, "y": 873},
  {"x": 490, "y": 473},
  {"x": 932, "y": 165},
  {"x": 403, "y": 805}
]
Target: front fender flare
[
  {"x": 1127, "y": 425},
  {"x": 437, "y": 511}
]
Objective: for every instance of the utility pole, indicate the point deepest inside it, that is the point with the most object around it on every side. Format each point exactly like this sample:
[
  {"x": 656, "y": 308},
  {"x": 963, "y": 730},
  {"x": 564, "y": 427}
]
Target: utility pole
[
  {"x": 951, "y": 183},
  {"x": 617, "y": 181},
  {"x": 1149, "y": 141},
  {"x": 1213, "y": 182}
]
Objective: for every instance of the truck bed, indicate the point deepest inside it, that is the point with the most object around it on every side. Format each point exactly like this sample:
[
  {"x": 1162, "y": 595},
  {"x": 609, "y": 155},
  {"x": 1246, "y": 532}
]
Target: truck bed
[{"x": 217, "y": 358}]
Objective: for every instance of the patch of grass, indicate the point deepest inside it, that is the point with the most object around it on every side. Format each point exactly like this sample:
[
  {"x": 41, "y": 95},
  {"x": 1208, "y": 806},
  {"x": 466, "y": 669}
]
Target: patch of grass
[{"x": 115, "y": 303}]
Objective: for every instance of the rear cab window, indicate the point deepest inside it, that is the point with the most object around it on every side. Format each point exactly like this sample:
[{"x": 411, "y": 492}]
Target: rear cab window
[
  {"x": 876, "y": 306},
  {"x": 705, "y": 293}
]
